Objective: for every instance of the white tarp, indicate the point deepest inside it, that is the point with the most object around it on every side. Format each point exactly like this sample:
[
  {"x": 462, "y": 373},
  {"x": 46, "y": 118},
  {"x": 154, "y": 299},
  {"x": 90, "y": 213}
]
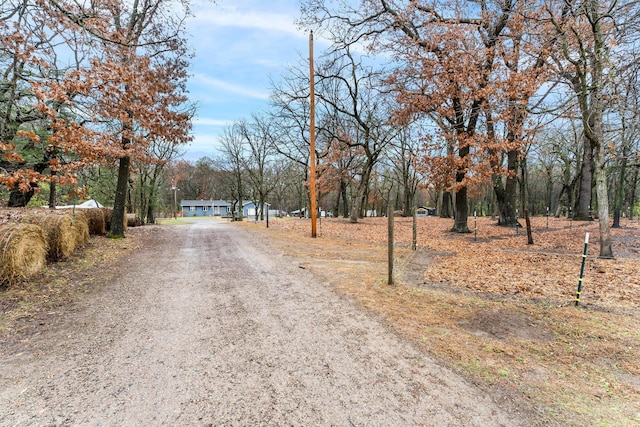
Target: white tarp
[{"x": 84, "y": 205}]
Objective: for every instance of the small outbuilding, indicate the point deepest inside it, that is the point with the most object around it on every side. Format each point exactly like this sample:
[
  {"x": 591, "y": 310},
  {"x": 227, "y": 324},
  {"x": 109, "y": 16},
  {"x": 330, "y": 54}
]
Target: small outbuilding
[
  {"x": 424, "y": 211},
  {"x": 192, "y": 208}
]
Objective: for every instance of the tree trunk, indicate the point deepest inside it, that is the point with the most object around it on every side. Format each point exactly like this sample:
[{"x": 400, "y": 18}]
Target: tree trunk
[
  {"x": 583, "y": 200},
  {"x": 345, "y": 200},
  {"x": 364, "y": 203},
  {"x": 634, "y": 187},
  {"x": 549, "y": 183},
  {"x": 356, "y": 209},
  {"x": 460, "y": 224},
  {"x": 606, "y": 250},
  {"x": 151, "y": 217},
  {"x": 619, "y": 194},
  {"x": 129, "y": 206},
  {"x": 353, "y": 218},
  {"x": 52, "y": 192},
  {"x": 595, "y": 129},
  {"x": 506, "y": 194},
  {"x": 406, "y": 202},
  {"x": 445, "y": 206},
  {"x": 240, "y": 197},
  {"x": 505, "y": 197},
  {"x": 18, "y": 199},
  {"x": 261, "y": 203},
  {"x": 523, "y": 184},
  {"x": 118, "y": 218},
  {"x": 408, "y": 192},
  {"x": 342, "y": 193}
]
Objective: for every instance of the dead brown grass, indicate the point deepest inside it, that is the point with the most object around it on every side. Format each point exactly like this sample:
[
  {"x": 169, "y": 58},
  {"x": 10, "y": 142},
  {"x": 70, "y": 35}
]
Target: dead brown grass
[
  {"x": 85, "y": 270},
  {"x": 496, "y": 309}
]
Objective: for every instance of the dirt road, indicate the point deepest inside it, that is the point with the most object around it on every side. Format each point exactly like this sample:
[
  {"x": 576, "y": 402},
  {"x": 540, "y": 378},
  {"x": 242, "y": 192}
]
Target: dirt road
[{"x": 204, "y": 326}]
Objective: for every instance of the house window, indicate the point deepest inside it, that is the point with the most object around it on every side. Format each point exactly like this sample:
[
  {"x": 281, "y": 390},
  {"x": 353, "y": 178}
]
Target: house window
[
  {"x": 205, "y": 208},
  {"x": 192, "y": 208}
]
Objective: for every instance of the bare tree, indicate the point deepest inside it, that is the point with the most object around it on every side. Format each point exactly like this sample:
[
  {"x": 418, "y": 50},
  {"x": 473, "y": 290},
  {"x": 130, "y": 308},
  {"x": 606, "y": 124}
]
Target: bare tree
[
  {"x": 234, "y": 155},
  {"x": 586, "y": 32},
  {"x": 350, "y": 91},
  {"x": 259, "y": 138}
]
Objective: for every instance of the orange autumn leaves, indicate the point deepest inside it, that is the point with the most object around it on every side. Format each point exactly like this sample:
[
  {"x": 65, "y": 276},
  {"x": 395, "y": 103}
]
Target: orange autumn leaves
[
  {"x": 499, "y": 261},
  {"x": 93, "y": 85}
]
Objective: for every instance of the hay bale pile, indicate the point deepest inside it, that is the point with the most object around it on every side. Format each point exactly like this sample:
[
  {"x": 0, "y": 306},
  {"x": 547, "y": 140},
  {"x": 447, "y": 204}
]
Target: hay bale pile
[
  {"x": 59, "y": 231},
  {"x": 133, "y": 220},
  {"x": 81, "y": 228},
  {"x": 108, "y": 214},
  {"x": 23, "y": 251},
  {"x": 96, "y": 221},
  {"x": 31, "y": 237}
]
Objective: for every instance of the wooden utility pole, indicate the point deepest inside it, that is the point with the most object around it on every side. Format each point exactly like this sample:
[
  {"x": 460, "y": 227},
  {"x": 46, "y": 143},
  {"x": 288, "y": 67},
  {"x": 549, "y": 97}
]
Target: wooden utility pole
[
  {"x": 390, "y": 241},
  {"x": 312, "y": 139}
]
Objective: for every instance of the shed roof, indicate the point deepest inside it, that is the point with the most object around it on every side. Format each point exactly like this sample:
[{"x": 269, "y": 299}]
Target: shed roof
[
  {"x": 204, "y": 203},
  {"x": 214, "y": 202}
]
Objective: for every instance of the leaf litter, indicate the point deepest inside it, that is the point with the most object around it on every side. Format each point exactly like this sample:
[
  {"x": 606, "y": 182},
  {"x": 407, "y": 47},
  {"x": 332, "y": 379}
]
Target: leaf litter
[{"x": 496, "y": 309}]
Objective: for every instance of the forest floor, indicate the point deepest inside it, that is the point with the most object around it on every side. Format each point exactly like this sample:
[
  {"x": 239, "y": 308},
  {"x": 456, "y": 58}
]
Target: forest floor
[{"x": 496, "y": 309}]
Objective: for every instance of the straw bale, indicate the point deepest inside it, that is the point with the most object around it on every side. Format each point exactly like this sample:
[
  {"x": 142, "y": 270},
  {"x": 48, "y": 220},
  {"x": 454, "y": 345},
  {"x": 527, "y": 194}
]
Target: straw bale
[
  {"x": 96, "y": 220},
  {"x": 59, "y": 231},
  {"x": 133, "y": 220},
  {"x": 81, "y": 228},
  {"x": 108, "y": 214},
  {"x": 23, "y": 251}
]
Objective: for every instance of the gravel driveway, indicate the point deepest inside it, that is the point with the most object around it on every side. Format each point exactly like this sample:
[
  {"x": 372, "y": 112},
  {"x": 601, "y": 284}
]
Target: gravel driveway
[{"x": 203, "y": 326}]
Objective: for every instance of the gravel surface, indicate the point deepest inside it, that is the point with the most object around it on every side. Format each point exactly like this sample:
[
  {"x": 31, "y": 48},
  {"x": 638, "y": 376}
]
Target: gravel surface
[{"x": 204, "y": 326}]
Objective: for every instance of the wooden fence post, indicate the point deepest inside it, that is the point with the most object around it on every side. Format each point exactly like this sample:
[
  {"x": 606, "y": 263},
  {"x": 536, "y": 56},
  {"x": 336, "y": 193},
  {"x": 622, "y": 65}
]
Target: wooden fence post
[
  {"x": 414, "y": 241},
  {"x": 528, "y": 221}
]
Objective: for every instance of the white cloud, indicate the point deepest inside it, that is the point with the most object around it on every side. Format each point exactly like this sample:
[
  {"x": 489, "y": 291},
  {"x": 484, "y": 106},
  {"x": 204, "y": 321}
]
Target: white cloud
[
  {"x": 204, "y": 140},
  {"x": 238, "y": 46},
  {"x": 252, "y": 19},
  {"x": 231, "y": 87},
  {"x": 204, "y": 143},
  {"x": 204, "y": 121}
]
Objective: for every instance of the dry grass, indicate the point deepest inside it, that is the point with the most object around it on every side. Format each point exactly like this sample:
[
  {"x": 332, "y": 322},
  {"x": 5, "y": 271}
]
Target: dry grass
[
  {"x": 496, "y": 309},
  {"x": 23, "y": 250},
  {"x": 108, "y": 213},
  {"x": 59, "y": 231},
  {"x": 81, "y": 227},
  {"x": 132, "y": 220},
  {"x": 87, "y": 269},
  {"x": 96, "y": 221}
]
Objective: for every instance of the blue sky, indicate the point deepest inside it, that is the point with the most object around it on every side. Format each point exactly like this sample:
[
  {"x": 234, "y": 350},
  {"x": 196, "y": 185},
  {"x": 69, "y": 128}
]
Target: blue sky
[{"x": 239, "y": 45}]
